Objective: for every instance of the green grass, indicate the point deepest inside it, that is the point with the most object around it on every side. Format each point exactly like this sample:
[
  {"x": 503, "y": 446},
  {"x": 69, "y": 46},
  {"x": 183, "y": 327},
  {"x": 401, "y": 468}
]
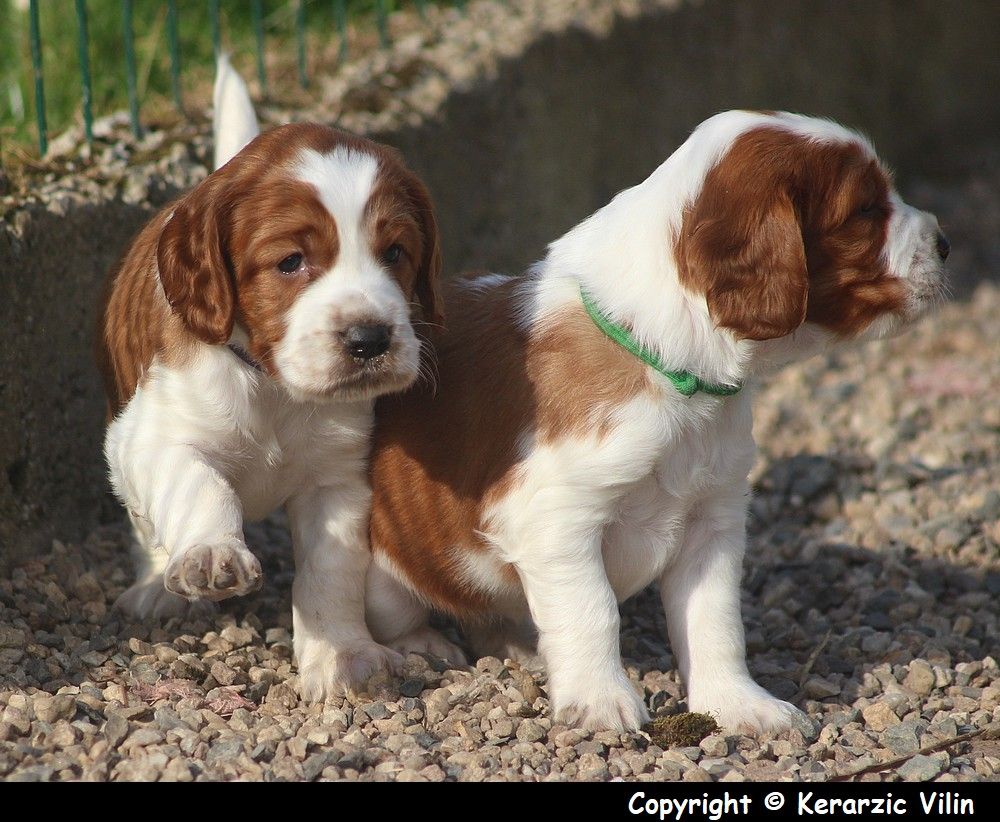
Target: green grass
[{"x": 62, "y": 72}]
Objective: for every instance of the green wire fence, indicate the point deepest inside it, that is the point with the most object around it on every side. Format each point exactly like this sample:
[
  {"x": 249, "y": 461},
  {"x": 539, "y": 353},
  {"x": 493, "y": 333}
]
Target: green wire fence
[{"x": 340, "y": 11}]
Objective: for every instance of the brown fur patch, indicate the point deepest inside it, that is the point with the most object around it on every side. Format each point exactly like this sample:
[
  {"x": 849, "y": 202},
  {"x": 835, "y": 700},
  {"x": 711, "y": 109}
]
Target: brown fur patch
[
  {"x": 440, "y": 458},
  {"x": 787, "y": 229},
  {"x": 300, "y": 224},
  {"x": 399, "y": 212},
  {"x": 135, "y": 324}
]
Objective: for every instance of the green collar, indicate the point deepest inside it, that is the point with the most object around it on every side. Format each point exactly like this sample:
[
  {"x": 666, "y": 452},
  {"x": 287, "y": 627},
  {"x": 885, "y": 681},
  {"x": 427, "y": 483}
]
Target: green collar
[{"x": 685, "y": 382}]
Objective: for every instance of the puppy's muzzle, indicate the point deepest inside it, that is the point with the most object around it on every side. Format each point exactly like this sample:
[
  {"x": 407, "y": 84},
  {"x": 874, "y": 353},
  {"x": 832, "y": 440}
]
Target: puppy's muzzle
[
  {"x": 365, "y": 342},
  {"x": 943, "y": 246}
]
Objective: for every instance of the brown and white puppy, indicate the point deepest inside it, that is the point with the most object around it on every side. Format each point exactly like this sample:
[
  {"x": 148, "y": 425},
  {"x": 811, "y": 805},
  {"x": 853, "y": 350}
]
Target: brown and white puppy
[
  {"x": 588, "y": 435},
  {"x": 243, "y": 341}
]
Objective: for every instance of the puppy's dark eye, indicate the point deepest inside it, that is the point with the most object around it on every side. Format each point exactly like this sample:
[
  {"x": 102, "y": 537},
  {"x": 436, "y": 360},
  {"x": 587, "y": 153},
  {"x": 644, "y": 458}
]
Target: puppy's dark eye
[
  {"x": 392, "y": 254},
  {"x": 290, "y": 264},
  {"x": 868, "y": 209}
]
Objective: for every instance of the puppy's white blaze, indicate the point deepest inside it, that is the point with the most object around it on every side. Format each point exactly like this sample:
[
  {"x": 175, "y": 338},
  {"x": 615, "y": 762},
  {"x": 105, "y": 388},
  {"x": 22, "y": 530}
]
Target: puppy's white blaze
[
  {"x": 344, "y": 179},
  {"x": 357, "y": 289}
]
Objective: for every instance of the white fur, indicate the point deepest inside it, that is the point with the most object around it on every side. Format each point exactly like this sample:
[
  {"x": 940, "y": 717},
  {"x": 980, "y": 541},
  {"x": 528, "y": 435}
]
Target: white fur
[
  {"x": 663, "y": 496},
  {"x": 204, "y": 445},
  {"x": 234, "y": 122}
]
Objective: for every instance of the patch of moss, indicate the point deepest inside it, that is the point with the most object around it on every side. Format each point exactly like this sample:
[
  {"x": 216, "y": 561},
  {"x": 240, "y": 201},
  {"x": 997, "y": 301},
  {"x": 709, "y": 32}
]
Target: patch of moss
[{"x": 681, "y": 730}]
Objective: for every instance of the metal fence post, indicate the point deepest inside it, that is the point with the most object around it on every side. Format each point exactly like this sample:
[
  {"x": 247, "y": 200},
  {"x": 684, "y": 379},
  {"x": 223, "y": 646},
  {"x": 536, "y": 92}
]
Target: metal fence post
[
  {"x": 36, "y": 64},
  {"x": 83, "y": 47},
  {"x": 300, "y": 36},
  {"x": 382, "y": 18},
  {"x": 340, "y": 17},
  {"x": 216, "y": 25},
  {"x": 258, "y": 31},
  {"x": 133, "y": 93},
  {"x": 173, "y": 45}
]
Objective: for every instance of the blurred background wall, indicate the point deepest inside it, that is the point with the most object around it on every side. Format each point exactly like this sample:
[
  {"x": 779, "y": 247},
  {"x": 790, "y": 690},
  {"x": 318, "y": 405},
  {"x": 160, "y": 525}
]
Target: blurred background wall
[{"x": 578, "y": 118}]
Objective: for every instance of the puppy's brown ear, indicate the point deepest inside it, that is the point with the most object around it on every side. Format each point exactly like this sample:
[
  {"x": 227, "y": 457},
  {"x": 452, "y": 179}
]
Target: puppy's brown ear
[
  {"x": 741, "y": 245},
  {"x": 194, "y": 266},
  {"x": 428, "y": 283}
]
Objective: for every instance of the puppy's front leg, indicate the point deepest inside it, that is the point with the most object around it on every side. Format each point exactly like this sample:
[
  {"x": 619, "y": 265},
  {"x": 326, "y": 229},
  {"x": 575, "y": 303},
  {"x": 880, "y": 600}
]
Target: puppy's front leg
[
  {"x": 333, "y": 647},
  {"x": 701, "y": 596},
  {"x": 180, "y": 503},
  {"x": 576, "y": 613}
]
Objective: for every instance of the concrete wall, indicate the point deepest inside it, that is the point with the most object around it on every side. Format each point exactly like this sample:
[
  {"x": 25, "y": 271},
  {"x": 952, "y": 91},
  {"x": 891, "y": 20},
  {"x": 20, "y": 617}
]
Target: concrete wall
[
  {"x": 512, "y": 164},
  {"x": 51, "y": 408}
]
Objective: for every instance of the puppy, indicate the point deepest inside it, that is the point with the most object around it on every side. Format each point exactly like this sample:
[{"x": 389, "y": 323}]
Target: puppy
[
  {"x": 591, "y": 430},
  {"x": 243, "y": 341}
]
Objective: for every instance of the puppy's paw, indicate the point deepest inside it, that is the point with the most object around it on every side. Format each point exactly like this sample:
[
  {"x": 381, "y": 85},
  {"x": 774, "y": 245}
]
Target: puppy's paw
[
  {"x": 325, "y": 672},
  {"x": 748, "y": 708},
  {"x": 601, "y": 705},
  {"x": 425, "y": 640},
  {"x": 148, "y": 599},
  {"x": 213, "y": 572}
]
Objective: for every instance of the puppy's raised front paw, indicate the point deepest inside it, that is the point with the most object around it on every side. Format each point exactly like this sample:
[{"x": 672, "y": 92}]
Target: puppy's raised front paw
[
  {"x": 149, "y": 599},
  {"x": 600, "y": 705},
  {"x": 325, "y": 672},
  {"x": 225, "y": 569},
  {"x": 748, "y": 708},
  {"x": 425, "y": 640}
]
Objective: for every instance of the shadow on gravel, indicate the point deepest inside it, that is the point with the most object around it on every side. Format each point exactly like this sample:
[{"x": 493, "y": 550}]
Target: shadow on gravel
[{"x": 841, "y": 609}]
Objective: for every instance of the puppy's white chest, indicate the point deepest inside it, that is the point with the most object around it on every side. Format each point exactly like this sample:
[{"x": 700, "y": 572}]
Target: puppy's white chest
[
  {"x": 295, "y": 448},
  {"x": 652, "y": 520},
  {"x": 266, "y": 446}
]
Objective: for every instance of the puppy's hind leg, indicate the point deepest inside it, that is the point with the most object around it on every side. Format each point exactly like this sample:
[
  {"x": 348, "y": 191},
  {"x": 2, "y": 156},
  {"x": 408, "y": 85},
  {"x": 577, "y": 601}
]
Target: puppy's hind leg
[
  {"x": 147, "y": 597},
  {"x": 334, "y": 648},
  {"x": 503, "y": 638},
  {"x": 398, "y": 619}
]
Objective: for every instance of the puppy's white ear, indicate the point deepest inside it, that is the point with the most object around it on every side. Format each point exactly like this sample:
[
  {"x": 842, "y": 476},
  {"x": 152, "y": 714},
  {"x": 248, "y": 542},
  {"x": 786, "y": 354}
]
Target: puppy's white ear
[{"x": 234, "y": 122}]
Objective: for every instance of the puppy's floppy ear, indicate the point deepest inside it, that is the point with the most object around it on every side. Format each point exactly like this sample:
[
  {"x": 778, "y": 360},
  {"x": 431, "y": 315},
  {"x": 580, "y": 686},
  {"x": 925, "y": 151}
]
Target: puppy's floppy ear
[
  {"x": 194, "y": 265},
  {"x": 428, "y": 284},
  {"x": 742, "y": 245}
]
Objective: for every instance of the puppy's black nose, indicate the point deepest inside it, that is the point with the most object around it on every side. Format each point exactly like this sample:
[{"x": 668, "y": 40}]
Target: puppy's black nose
[
  {"x": 367, "y": 341},
  {"x": 943, "y": 246}
]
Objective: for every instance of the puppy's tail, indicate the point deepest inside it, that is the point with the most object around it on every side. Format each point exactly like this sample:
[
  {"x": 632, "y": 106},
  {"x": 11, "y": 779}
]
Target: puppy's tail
[{"x": 234, "y": 122}]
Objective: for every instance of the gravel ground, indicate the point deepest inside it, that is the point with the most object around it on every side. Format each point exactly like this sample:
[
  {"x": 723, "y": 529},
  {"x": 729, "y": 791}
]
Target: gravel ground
[{"x": 870, "y": 600}]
